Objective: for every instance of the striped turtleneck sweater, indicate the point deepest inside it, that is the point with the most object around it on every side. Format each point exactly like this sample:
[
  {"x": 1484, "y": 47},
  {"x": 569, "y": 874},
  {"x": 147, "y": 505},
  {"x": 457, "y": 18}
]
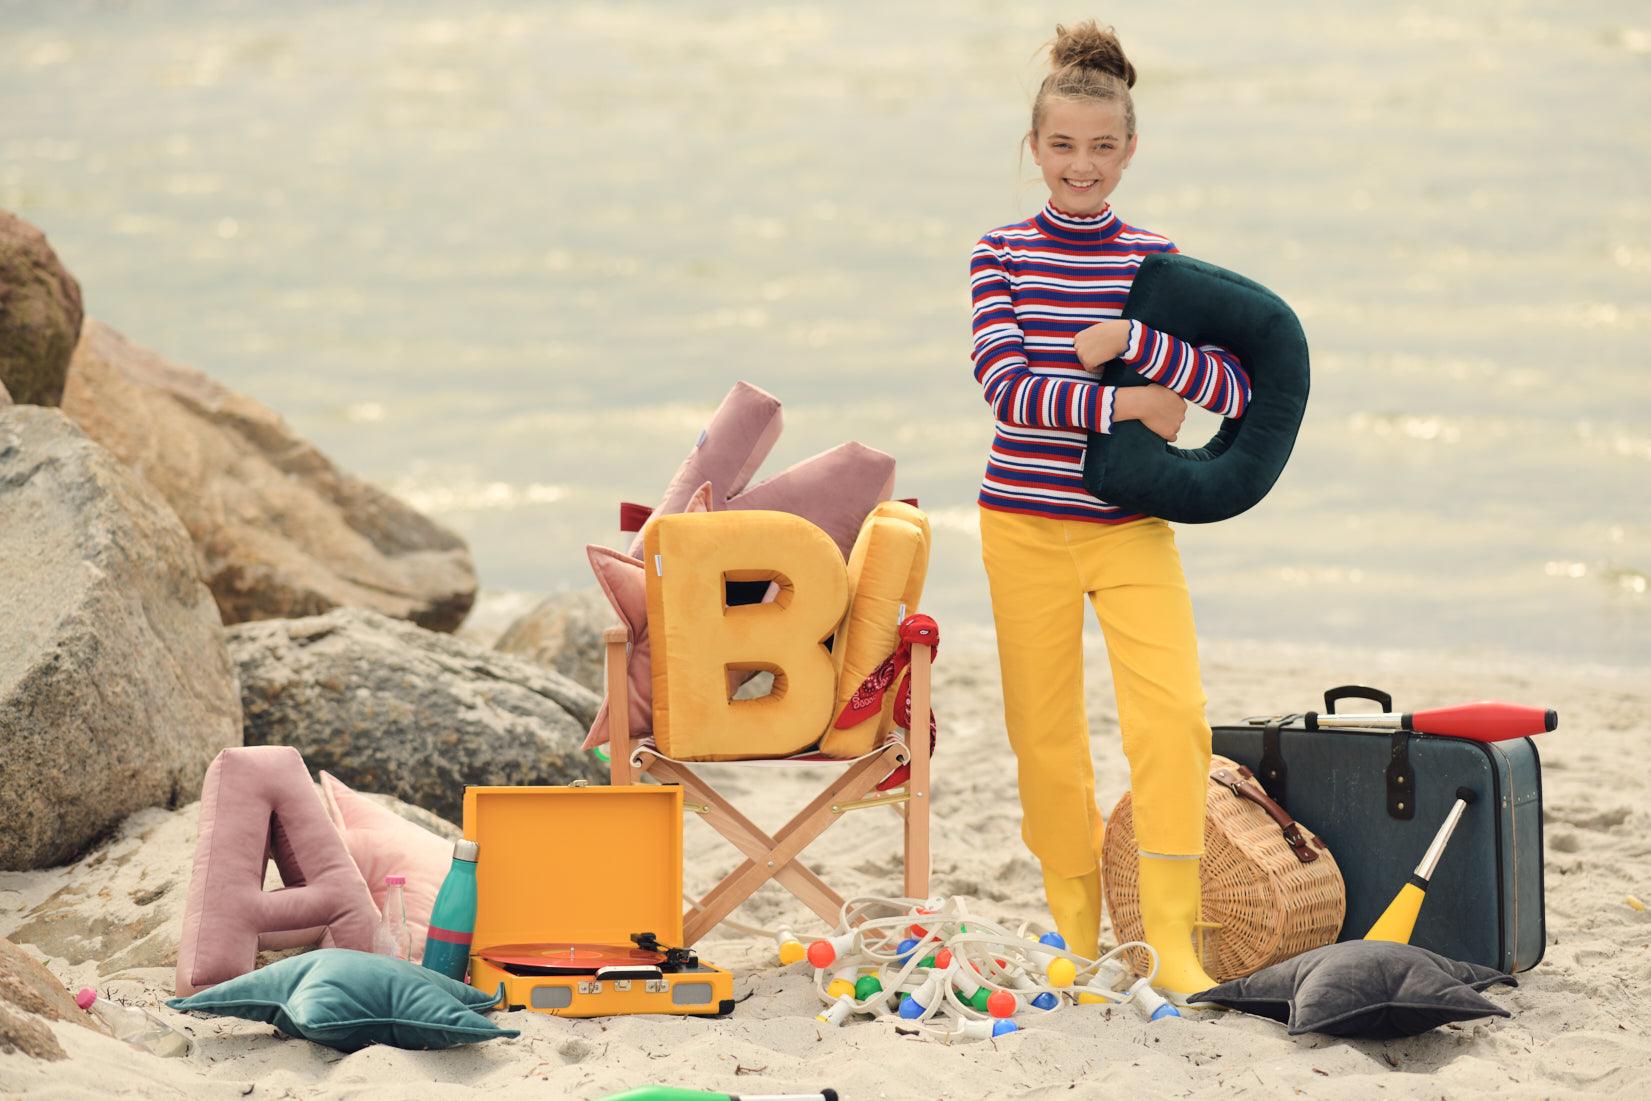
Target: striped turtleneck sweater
[{"x": 1036, "y": 285}]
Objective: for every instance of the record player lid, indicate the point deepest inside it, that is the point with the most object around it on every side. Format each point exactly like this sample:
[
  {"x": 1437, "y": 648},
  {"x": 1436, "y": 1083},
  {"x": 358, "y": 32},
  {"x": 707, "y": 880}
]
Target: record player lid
[{"x": 587, "y": 865}]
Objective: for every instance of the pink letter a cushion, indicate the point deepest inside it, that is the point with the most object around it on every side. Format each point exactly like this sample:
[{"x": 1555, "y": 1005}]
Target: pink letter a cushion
[{"x": 257, "y": 802}]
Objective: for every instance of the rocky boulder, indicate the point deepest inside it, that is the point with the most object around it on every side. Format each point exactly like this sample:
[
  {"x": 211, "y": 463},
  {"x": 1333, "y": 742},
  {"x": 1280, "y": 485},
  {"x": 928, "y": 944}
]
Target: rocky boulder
[
  {"x": 280, "y": 531},
  {"x": 387, "y": 706},
  {"x": 115, "y": 688},
  {"x": 564, "y": 632},
  {"x": 40, "y": 315}
]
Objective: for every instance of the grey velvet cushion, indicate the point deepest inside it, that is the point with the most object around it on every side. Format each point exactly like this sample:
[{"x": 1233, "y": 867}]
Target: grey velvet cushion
[{"x": 1371, "y": 989}]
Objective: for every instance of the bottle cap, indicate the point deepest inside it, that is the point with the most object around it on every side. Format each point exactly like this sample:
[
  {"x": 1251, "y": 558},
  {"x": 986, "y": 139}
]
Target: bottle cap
[
  {"x": 466, "y": 850},
  {"x": 396, "y": 880},
  {"x": 86, "y": 997}
]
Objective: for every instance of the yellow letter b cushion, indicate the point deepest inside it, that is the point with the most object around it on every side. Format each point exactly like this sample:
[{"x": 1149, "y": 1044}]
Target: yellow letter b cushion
[
  {"x": 696, "y": 636},
  {"x": 1134, "y": 468},
  {"x": 347, "y": 1000}
]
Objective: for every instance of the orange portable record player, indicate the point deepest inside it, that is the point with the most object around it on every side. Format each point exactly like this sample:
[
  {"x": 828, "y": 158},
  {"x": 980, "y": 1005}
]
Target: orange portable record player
[{"x": 579, "y": 902}]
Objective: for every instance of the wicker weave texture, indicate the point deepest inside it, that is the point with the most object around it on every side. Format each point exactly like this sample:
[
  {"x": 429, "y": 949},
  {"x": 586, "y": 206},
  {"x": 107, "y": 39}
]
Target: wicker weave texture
[{"x": 1269, "y": 905}]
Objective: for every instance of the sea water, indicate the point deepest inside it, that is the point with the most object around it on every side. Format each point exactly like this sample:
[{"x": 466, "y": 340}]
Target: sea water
[{"x": 504, "y": 259}]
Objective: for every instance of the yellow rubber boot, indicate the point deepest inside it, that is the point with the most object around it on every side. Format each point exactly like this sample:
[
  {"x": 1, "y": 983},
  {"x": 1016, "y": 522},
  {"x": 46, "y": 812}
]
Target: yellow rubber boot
[
  {"x": 1075, "y": 904},
  {"x": 1169, "y": 912}
]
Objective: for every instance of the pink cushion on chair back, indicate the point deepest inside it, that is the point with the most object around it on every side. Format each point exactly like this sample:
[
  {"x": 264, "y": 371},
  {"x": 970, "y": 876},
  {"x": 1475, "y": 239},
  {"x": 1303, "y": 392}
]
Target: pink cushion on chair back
[{"x": 258, "y": 803}]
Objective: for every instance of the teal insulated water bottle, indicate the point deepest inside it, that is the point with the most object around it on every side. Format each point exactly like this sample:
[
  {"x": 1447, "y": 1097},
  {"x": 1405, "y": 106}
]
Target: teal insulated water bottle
[{"x": 453, "y": 918}]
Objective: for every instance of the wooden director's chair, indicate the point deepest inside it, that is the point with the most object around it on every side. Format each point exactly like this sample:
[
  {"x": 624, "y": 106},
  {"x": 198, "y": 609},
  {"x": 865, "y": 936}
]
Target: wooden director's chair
[{"x": 777, "y": 857}]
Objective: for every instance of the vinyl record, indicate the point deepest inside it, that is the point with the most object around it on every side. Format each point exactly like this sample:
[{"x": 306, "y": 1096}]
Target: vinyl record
[{"x": 567, "y": 959}]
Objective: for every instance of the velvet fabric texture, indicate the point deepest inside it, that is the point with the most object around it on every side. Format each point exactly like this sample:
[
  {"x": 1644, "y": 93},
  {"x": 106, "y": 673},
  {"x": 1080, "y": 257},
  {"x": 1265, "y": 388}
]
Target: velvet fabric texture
[
  {"x": 1204, "y": 304},
  {"x": 348, "y": 1000},
  {"x": 257, "y": 803},
  {"x": 886, "y": 571},
  {"x": 1364, "y": 988},
  {"x": 695, "y": 636},
  {"x": 382, "y": 842}
]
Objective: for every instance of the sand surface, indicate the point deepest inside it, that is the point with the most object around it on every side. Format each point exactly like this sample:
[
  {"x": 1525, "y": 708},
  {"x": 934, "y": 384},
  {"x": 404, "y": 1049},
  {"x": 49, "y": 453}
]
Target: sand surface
[{"x": 1578, "y": 1025}]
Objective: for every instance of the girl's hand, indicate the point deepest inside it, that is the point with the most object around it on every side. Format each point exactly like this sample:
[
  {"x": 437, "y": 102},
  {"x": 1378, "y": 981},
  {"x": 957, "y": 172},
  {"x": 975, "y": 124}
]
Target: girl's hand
[
  {"x": 1101, "y": 343},
  {"x": 1158, "y": 407}
]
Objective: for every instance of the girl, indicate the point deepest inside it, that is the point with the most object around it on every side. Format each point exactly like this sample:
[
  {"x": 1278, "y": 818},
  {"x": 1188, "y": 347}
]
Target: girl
[{"x": 1048, "y": 292}]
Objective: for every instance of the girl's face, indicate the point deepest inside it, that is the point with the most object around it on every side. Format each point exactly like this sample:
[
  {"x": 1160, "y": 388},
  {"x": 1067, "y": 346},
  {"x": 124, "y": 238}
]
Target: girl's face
[{"x": 1083, "y": 151}]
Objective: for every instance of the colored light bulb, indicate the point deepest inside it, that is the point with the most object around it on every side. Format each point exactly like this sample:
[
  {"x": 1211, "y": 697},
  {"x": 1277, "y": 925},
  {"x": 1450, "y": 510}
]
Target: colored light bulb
[
  {"x": 943, "y": 958},
  {"x": 867, "y": 985},
  {"x": 1053, "y": 940},
  {"x": 840, "y": 988},
  {"x": 1046, "y": 1000},
  {"x": 1002, "y": 1004},
  {"x": 978, "y": 999},
  {"x": 1062, "y": 971}
]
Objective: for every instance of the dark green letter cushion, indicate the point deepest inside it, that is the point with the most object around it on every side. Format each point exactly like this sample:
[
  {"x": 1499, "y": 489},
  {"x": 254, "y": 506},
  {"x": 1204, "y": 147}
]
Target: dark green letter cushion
[
  {"x": 347, "y": 1000},
  {"x": 1134, "y": 468}
]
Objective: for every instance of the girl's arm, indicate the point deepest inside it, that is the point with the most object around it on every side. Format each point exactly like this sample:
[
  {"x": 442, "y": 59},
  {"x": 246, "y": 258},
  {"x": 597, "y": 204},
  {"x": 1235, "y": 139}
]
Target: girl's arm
[
  {"x": 1017, "y": 395},
  {"x": 1206, "y": 374}
]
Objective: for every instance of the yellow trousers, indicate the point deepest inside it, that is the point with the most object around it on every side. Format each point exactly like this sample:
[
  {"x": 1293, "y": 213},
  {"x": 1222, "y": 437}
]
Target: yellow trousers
[{"x": 1039, "y": 571}]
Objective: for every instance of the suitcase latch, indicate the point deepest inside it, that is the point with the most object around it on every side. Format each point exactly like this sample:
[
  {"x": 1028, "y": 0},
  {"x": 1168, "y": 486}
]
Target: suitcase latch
[{"x": 1401, "y": 779}]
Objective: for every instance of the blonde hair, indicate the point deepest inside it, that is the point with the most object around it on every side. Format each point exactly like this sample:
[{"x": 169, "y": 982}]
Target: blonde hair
[{"x": 1087, "y": 63}]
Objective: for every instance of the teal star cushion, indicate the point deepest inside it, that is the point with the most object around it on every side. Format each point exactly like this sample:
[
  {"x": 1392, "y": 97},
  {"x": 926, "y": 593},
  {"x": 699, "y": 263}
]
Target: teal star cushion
[{"x": 348, "y": 1000}]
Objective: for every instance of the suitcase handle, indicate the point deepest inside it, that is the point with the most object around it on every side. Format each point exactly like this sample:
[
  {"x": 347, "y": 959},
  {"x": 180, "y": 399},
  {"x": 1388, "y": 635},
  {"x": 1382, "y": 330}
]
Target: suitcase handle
[
  {"x": 1356, "y": 692},
  {"x": 1243, "y": 785}
]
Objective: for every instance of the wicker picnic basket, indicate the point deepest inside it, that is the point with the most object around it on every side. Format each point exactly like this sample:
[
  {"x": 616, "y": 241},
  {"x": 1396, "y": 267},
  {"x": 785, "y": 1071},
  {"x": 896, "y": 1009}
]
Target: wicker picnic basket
[{"x": 1269, "y": 884}]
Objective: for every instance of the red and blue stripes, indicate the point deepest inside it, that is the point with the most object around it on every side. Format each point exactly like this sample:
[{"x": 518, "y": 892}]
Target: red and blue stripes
[{"x": 1037, "y": 284}]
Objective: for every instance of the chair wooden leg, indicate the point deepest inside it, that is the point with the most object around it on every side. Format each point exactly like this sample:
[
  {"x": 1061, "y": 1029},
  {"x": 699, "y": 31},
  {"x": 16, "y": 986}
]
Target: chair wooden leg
[
  {"x": 917, "y": 807},
  {"x": 619, "y": 708},
  {"x": 746, "y": 836},
  {"x": 780, "y": 851}
]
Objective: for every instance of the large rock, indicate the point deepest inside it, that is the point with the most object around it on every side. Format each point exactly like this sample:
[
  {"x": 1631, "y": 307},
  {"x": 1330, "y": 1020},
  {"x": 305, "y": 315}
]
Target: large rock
[
  {"x": 40, "y": 315},
  {"x": 115, "y": 688},
  {"x": 387, "y": 706},
  {"x": 29, "y": 985},
  {"x": 564, "y": 632},
  {"x": 280, "y": 531}
]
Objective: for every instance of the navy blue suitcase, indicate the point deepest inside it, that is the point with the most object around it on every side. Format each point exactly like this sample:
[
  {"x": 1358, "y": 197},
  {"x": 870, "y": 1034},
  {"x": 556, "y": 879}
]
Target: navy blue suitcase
[{"x": 1377, "y": 798}]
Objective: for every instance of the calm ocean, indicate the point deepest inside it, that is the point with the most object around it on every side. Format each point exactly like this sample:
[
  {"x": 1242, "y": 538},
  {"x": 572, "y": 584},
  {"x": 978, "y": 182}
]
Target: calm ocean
[{"x": 504, "y": 258}]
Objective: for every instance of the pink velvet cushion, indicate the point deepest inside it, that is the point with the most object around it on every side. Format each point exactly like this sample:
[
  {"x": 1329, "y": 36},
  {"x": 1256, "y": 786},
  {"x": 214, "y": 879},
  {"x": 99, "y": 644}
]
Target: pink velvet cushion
[
  {"x": 257, "y": 802},
  {"x": 833, "y": 490},
  {"x": 621, "y": 578},
  {"x": 382, "y": 842}
]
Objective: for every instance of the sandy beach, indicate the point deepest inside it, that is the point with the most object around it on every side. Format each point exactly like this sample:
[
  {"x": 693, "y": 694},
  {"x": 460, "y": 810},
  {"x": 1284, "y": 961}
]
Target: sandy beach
[{"x": 1577, "y": 1025}]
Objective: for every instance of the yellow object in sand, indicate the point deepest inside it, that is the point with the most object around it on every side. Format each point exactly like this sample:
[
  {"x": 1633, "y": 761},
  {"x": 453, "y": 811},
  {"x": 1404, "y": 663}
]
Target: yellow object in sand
[
  {"x": 1169, "y": 915},
  {"x": 1398, "y": 921}
]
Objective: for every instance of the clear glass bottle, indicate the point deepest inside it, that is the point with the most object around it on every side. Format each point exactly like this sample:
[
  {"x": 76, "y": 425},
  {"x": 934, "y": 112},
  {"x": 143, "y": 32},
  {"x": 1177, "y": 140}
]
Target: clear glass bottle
[
  {"x": 138, "y": 1027},
  {"x": 392, "y": 938}
]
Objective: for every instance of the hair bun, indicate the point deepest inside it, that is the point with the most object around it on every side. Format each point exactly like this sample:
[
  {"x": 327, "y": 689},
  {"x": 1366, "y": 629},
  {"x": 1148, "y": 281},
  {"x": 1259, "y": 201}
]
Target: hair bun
[{"x": 1089, "y": 46}]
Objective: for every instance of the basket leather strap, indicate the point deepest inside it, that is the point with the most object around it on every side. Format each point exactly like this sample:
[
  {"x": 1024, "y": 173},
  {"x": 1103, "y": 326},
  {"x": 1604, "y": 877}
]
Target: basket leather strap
[{"x": 1243, "y": 784}]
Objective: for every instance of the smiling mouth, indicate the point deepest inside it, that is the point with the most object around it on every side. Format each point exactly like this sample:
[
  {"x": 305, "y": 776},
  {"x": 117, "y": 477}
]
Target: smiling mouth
[{"x": 1075, "y": 185}]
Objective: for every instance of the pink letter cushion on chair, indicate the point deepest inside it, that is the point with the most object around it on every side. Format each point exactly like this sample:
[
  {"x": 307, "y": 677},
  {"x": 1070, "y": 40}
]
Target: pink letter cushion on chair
[
  {"x": 886, "y": 570},
  {"x": 257, "y": 802},
  {"x": 382, "y": 842},
  {"x": 833, "y": 490},
  {"x": 620, "y": 576},
  {"x": 697, "y": 637}
]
